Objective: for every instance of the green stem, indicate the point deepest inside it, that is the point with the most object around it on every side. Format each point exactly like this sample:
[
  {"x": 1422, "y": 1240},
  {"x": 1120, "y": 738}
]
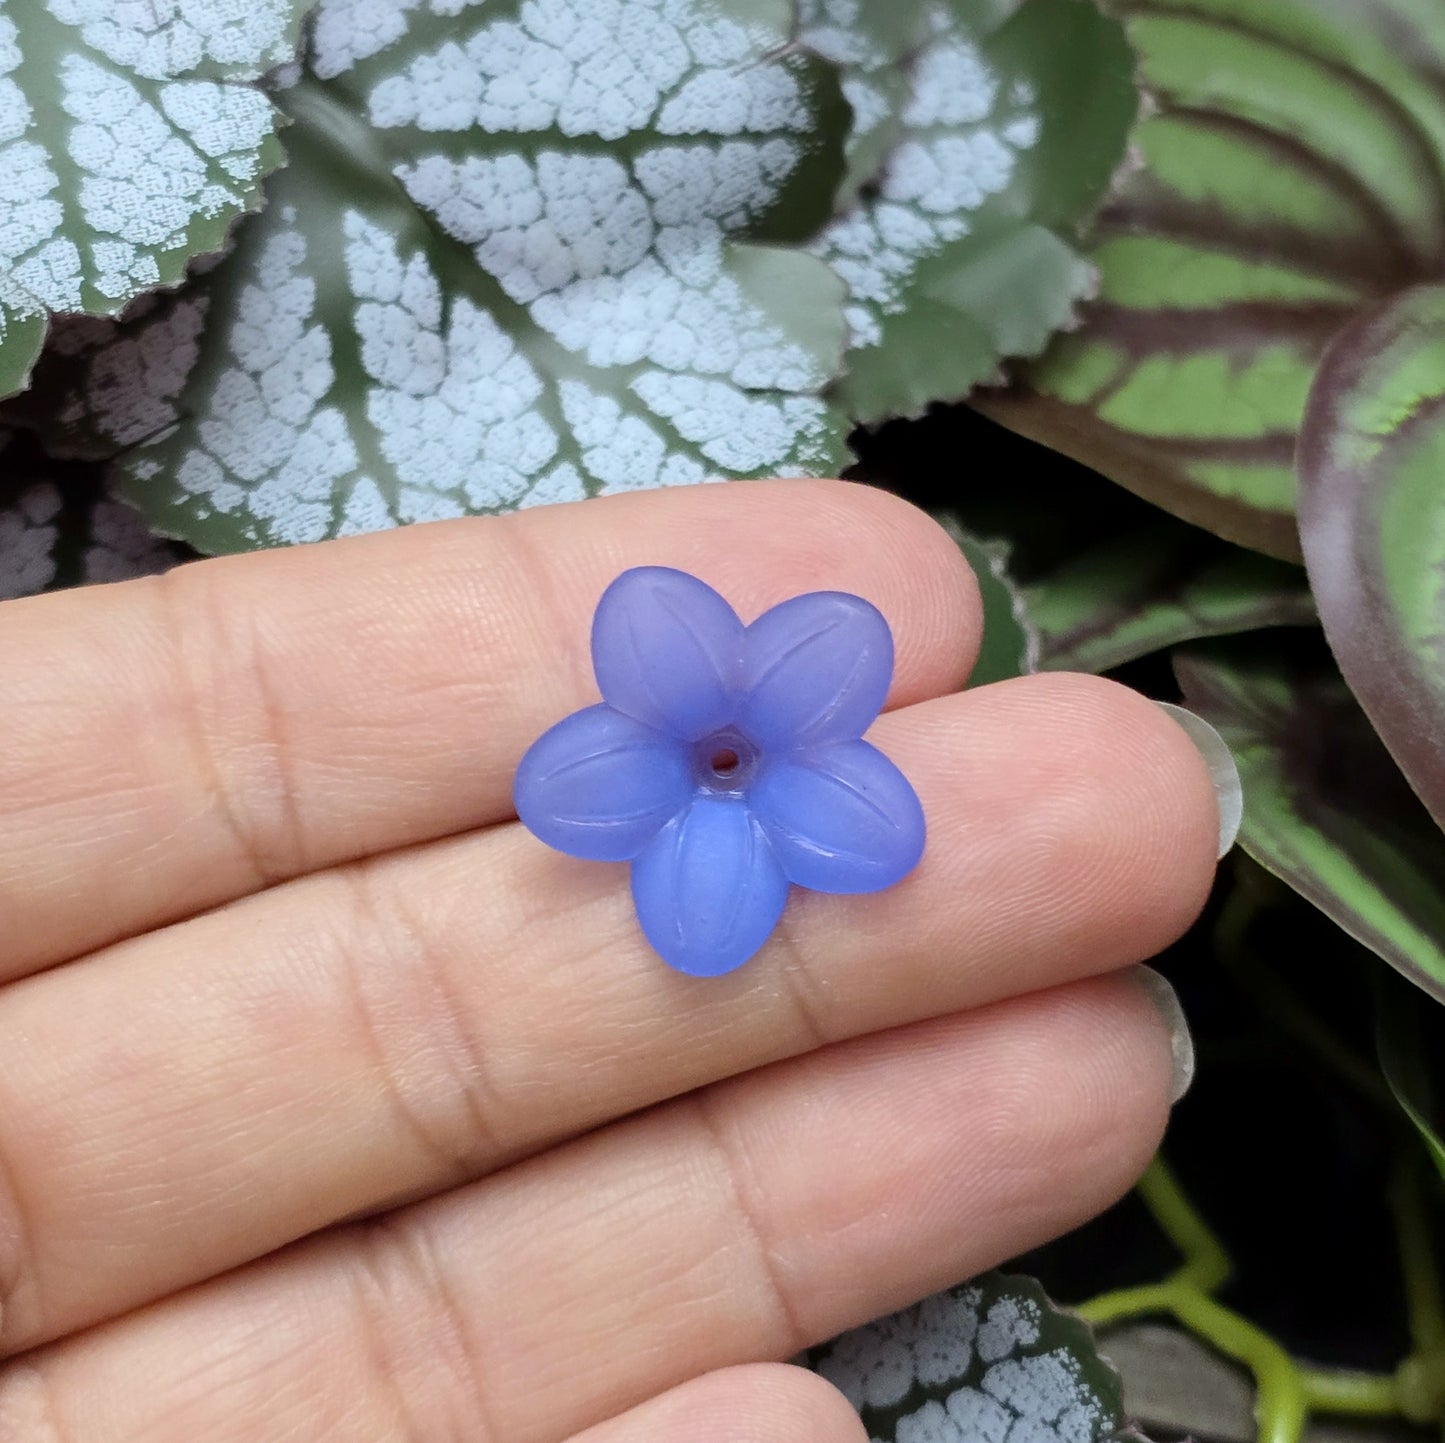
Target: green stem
[
  {"x": 1280, "y": 1404},
  {"x": 1206, "y": 1264},
  {"x": 1420, "y": 1381},
  {"x": 1360, "y": 1395},
  {"x": 1419, "y": 1267},
  {"x": 1285, "y": 1391},
  {"x": 1125, "y": 1304}
]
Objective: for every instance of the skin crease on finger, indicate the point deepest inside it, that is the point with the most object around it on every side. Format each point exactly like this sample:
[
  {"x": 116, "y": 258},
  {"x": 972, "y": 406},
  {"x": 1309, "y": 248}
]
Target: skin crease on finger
[
  {"x": 773, "y": 1210},
  {"x": 312, "y": 1053},
  {"x": 285, "y": 711}
]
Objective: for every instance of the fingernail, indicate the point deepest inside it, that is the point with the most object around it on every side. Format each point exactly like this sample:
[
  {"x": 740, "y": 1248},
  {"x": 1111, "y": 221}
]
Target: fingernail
[
  {"x": 1161, "y": 993},
  {"x": 1222, "y": 771}
]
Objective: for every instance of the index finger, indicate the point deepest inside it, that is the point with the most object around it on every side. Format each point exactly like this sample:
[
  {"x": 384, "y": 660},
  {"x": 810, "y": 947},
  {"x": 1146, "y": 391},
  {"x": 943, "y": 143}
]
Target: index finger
[{"x": 170, "y": 744}]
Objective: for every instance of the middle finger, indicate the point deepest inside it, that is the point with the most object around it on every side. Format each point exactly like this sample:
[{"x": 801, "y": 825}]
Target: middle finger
[{"x": 190, "y": 1100}]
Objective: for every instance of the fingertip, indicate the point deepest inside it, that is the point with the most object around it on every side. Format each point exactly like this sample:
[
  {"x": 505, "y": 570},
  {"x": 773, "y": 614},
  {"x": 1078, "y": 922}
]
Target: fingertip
[
  {"x": 1223, "y": 770},
  {"x": 1165, "y": 1000},
  {"x": 1140, "y": 1022},
  {"x": 1076, "y": 796},
  {"x": 749, "y": 1403},
  {"x": 801, "y": 1405},
  {"x": 1163, "y": 797}
]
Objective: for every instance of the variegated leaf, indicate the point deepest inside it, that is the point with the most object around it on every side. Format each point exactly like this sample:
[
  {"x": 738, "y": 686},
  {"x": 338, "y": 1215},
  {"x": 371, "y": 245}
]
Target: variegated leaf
[
  {"x": 990, "y": 1360},
  {"x": 869, "y": 39},
  {"x": 1002, "y": 128},
  {"x": 1325, "y": 807},
  {"x": 1072, "y": 586},
  {"x": 131, "y": 139},
  {"x": 1144, "y": 592},
  {"x": 59, "y": 528},
  {"x": 522, "y": 253},
  {"x": 22, "y": 334},
  {"x": 1372, "y": 519},
  {"x": 1410, "y": 1040},
  {"x": 1293, "y": 171},
  {"x": 29, "y": 538}
]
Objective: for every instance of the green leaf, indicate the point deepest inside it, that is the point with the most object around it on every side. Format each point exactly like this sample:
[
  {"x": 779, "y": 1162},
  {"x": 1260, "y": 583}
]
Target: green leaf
[
  {"x": 1077, "y": 581},
  {"x": 1325, "y": 807},
  {"x": 1372, "y": 520},
  {"x": 22, "y": 334},
  {"x": 1410, "y": 1039},
  {"x": 1003, "y": 132},
  {"x": 868, "y": 39},
  {"x": 1010, "y": 645},
  {"x": 527, "y": 254},
  {"x": 1155, "y": 588},
  {"x": 1293, "y": 171},
  {"x": 131, "y": 141},
  {"x": 992, "y": 1359}
]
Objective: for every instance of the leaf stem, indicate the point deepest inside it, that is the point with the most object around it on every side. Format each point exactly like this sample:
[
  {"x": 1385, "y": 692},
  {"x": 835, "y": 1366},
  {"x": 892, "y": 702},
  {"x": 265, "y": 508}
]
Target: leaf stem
[
  {"x": 1420, "y": 1381},
  {"x": 1287, "y": 1391},
  {"x": 1206, "y": 1264},
  {"x": 1342, "y": 1391},
  {"x": 1419, "y": 1265},
  {"x": 1281, "y": 1404}
]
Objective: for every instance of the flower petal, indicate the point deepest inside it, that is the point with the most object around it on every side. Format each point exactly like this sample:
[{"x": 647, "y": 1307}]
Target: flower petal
[
  {"x": 600, "y": 785},
  {"x": 667, "y": 650},
  {"x": 708, "y": 889},
  {"x": 815, "y": 669},
  {"x": 844, "y": 819}
]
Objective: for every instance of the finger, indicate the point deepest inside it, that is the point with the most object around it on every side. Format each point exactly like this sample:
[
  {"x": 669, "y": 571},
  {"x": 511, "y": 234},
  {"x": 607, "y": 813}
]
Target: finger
[
  {"x": 350, "y": 1039},
  {"x": 739, "y": 1224},
  {"x": 753, "y": 1403},
  {"x": 166, "y": 745}
]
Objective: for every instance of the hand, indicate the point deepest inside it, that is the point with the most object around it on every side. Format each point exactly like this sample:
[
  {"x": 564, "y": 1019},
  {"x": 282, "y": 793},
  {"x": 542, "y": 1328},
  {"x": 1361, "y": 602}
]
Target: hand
[{"x": 335, "y": 1106}]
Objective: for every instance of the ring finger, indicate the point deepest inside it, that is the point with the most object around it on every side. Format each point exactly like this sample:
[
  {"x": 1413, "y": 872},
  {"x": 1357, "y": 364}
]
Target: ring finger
[{"x": 738, "y": 1224}]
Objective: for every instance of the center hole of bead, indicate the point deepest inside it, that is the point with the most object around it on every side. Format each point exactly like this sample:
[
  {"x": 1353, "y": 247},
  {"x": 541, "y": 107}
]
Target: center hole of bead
[{"x": 725, "y": 761}]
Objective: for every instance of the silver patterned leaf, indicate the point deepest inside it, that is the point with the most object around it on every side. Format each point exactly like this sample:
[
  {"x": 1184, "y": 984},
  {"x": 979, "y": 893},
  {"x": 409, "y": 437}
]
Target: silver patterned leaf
[
  {"x": 522, "y": 253},
  {"x": 131, "y": 138},
  {"x": 991, "y": 1361},
  {"x": 986, "y": 134}
]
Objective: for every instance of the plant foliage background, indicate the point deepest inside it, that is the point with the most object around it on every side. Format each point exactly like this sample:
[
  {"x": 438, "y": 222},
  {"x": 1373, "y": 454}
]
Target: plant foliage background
[{"x": 275, "y": 271}]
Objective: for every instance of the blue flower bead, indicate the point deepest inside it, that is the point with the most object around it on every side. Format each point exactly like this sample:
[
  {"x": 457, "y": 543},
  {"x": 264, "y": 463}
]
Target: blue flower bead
[{"x": 725, "y": 762}]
